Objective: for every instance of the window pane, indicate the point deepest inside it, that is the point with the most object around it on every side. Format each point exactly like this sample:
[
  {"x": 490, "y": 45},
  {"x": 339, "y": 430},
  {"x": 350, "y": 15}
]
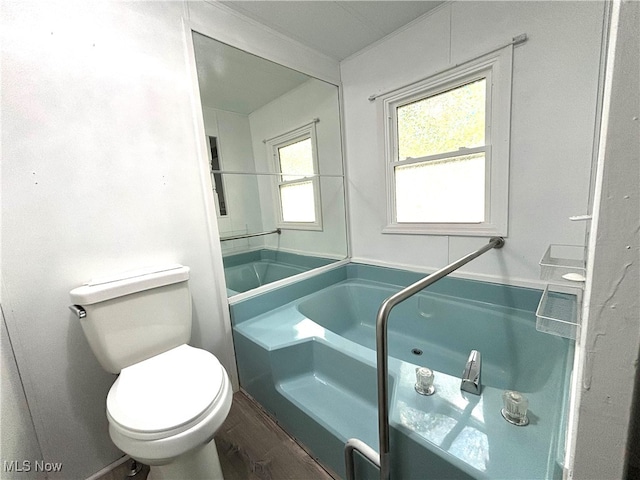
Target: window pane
[
  {"x": 296, "y": 159},
  {"x": 442, "y": 191},
  {"x": 443, "y": 122},
  {"x": 297, "y": 202}
]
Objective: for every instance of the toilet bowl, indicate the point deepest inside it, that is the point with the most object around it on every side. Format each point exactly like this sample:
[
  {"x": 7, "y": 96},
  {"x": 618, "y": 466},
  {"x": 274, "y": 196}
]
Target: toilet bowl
[
  {"x": 170, "y": 398},
  {"x": 166, "y": 406}
]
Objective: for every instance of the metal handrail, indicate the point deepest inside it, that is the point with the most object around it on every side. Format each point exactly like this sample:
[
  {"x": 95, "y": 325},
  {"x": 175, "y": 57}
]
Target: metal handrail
[
  {"x": 249, "y": 235},
  {"x": 382, "y": 353},
  {"x": 368, "y": 452}
]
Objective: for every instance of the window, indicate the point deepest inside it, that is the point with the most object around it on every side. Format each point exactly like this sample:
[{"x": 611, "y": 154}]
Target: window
[
  {"x": 218, "y": 184},
  {"x": 447, "y": 150},
  {"x": 297, "y": 184}
]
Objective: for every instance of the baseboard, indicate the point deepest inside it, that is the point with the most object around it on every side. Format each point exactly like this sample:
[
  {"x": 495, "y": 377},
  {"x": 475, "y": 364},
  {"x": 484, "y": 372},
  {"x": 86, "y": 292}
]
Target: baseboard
[{"x": 109, "y": 467}]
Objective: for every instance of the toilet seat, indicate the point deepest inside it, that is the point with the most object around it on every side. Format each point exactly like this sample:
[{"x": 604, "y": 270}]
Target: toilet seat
[{"x": 166, "y": 394}]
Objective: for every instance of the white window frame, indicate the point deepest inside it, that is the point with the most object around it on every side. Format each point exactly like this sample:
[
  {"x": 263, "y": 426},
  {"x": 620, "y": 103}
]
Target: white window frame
[
  {"x": 496, "y": 67},
  {"x": 302, "y": 133}
]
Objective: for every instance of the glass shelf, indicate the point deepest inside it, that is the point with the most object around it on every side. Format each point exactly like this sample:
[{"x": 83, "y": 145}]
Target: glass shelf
[{"x": 558, "y": 312}]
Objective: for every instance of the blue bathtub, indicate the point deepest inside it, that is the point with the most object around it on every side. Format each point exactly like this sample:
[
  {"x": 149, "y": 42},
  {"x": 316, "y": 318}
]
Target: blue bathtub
[
  {"x": 306, "y": 352},
  {"x": 249, "y": 270}
]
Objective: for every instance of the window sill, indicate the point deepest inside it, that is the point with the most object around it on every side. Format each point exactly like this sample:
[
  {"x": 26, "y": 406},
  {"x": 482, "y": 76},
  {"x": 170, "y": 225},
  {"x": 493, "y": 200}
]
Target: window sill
[
  {"x": 300, "y": 226},
  {"x": 452, "y": 229}
]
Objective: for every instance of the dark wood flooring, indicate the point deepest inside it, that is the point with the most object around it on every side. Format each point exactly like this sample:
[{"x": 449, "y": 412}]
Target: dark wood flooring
[{"x": 251, "y": 446}]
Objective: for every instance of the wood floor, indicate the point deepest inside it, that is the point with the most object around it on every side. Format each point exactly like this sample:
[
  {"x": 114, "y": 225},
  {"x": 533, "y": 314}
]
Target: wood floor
[{"x": 251, "y": 446}]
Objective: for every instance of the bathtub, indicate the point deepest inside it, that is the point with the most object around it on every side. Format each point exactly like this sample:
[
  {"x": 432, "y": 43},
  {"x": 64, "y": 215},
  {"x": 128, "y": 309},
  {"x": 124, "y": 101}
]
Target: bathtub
[
  {"x": 249, "y": 270},
  {"x": 306, "y": 352}
]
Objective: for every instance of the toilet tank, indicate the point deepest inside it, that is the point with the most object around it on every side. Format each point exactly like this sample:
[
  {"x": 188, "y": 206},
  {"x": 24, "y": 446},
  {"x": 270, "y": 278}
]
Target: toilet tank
[{"x": 135, "y": 315}]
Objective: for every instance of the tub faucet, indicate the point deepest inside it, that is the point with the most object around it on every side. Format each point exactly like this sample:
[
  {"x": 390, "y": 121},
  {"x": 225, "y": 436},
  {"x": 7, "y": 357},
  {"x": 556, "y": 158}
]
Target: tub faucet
[{"x": 471, "y": 374}]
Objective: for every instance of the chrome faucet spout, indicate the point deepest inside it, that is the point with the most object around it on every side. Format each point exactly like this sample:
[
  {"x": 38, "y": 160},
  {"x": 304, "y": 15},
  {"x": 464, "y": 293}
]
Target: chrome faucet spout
[{"x": 471, "y": 375}]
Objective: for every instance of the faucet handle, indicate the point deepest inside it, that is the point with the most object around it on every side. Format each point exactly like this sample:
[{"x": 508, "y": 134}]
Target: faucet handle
[
  {"x": 515, "y": 408},
  {"x": 424, "y": 381}
]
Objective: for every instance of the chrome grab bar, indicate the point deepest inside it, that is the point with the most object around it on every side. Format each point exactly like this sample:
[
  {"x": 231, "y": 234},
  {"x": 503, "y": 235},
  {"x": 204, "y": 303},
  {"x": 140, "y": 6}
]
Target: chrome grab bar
[
  {"x": 381, "y": 345},
  {"x": 249, "y": 235},
  {"x": 368, "y": 452}
]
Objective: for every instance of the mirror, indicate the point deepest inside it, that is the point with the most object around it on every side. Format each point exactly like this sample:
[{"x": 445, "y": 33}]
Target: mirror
[{"x": 276, "y": 164}]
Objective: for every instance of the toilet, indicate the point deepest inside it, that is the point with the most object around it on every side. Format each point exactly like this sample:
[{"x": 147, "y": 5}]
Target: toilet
[{"x": 169, "y": 398}]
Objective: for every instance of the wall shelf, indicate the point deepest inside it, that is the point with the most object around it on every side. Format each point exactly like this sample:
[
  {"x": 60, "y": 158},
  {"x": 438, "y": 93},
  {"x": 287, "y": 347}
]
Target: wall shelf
[
  {"x": 558, "y": 312},
  {"x": 564, "y": 264}
]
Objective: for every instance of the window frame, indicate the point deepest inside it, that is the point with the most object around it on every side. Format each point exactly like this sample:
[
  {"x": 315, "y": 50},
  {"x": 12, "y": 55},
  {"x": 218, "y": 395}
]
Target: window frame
[
  {"x": 496, "y": 67},
  {"x": 273, "y": 145},
  {"x": 213, "y": 172}
]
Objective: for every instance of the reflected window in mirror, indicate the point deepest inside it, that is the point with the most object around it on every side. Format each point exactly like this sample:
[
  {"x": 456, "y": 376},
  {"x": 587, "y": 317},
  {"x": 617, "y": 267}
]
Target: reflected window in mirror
[
  {"x": 296, "y": 162},
  {"x": 259, "y": 187},
  {"x": 216, "y": 177}
]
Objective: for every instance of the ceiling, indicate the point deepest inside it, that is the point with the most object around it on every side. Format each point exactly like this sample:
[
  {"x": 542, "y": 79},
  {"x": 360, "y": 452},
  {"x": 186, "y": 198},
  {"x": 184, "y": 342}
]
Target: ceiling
[
  {"x": 236, "y": 81},
  {"x": 336, "y": 28}
]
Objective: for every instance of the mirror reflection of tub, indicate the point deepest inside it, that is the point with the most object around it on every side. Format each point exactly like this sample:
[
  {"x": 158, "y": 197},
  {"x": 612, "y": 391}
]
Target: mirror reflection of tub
[
  {"x": 253, "y": 269},
  {"x": 276, "y": 165}
]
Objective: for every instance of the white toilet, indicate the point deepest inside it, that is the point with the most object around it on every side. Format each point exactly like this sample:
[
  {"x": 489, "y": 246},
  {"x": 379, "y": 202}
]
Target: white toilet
[{"x": 170, "y": 398}]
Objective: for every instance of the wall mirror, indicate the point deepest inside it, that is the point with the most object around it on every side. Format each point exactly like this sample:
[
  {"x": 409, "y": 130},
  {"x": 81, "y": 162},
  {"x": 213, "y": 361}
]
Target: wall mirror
[{"x": 275, "y": 154}]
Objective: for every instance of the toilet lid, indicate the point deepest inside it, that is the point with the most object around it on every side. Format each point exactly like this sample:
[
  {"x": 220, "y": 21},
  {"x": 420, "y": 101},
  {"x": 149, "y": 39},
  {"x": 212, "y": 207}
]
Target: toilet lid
[{"x": 166, "y": 391}]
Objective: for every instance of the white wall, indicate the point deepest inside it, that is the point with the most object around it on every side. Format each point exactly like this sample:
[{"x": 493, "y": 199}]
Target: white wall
[
  {"x": 608, "y": 364},
  {"x": 18, "y": 441},
  {"x": 104, "y": 171},
  {"x": 555, "y": 77},
  {"x": 101, "y": 173},
  {"x": 312, "y": 99}
]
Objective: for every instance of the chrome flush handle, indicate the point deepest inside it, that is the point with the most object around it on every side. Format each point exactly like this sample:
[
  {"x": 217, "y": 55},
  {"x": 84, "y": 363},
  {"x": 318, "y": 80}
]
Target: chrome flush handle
[{"x": 78, "y": 310}]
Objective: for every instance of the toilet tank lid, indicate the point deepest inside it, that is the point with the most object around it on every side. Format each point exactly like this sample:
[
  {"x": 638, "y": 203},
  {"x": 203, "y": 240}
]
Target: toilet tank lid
[{"x": 112, "y": 286}]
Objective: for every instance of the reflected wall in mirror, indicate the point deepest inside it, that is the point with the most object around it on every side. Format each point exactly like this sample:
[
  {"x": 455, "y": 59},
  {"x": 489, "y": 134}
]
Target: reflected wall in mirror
[{"x": 275, "y": 154}]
